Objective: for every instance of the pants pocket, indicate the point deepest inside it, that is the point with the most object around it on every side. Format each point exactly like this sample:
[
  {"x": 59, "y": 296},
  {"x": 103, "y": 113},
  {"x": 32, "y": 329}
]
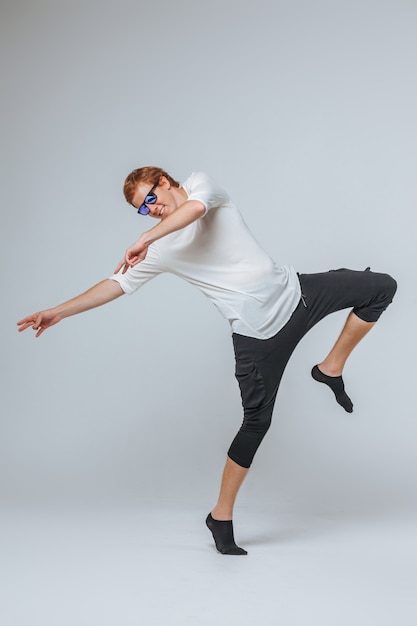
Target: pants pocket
[{"x": 251, "y": 384}]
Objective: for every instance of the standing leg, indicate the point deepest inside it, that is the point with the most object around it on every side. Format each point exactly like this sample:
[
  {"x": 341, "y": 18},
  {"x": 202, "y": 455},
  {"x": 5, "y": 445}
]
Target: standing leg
[
  {"x": 233, "y": 477},
  {"x": 219, "y": 520},
  {"x": 260, "y": 365},
  {"x": 330, "y": 370}
]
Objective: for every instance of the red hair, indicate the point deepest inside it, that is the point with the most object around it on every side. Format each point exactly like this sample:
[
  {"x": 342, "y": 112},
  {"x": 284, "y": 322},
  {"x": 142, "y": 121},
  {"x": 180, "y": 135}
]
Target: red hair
[{"x": 149, "y": 175}]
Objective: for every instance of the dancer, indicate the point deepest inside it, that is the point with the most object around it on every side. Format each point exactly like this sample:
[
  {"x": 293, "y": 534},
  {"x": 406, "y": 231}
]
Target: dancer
[{"x": 202, "y": 238}]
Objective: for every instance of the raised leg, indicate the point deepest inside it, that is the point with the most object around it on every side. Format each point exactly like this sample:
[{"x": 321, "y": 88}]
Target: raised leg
[
  {"x": 353, "y": 331},
  {"x": 330, "y": 370}
]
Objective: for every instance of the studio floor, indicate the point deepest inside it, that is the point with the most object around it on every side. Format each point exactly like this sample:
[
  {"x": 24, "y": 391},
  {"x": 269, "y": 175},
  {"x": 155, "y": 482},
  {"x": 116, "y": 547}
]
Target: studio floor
[{"x": 153, "y": 565}]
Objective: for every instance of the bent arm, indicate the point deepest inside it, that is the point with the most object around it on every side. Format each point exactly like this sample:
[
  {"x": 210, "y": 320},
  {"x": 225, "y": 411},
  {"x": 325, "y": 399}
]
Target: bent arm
[
  {"x": 105, "y": 291},
  {"x": 187, "y": 213}
]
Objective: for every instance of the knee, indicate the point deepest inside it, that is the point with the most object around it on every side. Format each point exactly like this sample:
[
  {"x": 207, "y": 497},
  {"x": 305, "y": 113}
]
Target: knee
[
  {"x": 257, "y": 421},
  {"x": 388, "y": 287},
  {"x": 382, "y": 288}
]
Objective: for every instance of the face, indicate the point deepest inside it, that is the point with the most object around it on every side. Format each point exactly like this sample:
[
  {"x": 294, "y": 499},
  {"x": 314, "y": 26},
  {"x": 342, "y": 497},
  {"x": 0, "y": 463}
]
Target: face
[{"x": 166, "y": 200}]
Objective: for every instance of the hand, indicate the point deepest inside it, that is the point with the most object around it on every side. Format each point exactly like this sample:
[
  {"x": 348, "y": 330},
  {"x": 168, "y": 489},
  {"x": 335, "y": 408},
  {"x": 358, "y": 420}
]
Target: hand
[
  {"x": 40, "y": 321},
  {"x": 134, "y": 255}
]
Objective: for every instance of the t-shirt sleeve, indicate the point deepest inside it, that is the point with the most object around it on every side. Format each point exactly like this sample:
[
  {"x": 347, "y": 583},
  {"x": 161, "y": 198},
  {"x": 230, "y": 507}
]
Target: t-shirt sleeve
[
  {"x": 199, "y": 186},
  {"x": 137, "y": 276}
]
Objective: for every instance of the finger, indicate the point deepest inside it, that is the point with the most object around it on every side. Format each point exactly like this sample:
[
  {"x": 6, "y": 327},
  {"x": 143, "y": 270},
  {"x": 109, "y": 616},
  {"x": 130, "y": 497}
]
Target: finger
[
  {"x": 24, "y": 325},
  {"x": 28, "y": 319},
  {"x": 40, "y": 326},
  {"x": 119, "y": 266},
  {"x": 37, "y": 322},
  {"x": 26, "y": 322}
]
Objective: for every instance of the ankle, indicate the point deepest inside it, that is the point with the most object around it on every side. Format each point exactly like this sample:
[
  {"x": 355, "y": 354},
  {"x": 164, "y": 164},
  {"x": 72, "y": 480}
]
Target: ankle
[
  {"x": 222, "y": 514},
  {"x": 330, "y": 370},
  {"x": 336, "y": 384},
  {"x": 223, "y": 536}
]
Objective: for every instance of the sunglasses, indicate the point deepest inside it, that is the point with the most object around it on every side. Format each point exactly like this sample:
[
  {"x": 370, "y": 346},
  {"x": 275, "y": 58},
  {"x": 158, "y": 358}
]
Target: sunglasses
[{"x": 149, "y": 199}]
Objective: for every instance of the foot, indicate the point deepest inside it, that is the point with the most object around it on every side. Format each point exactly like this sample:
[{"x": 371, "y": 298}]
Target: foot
[
  {"x": 336, "y": 384},
  {"x": 222, "y": 532}
]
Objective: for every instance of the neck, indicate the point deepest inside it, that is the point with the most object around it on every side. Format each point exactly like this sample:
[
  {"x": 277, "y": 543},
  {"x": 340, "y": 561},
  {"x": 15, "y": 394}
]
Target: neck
[{"x": 179, "y": 194}]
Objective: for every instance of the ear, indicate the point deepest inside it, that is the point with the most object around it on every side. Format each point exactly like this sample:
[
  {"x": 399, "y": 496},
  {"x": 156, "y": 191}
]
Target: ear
[{"x": 164, "y": 182}]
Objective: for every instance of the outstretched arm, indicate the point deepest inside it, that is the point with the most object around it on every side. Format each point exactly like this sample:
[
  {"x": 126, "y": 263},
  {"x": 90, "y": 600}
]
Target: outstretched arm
[{"x": 103, "y": 292}]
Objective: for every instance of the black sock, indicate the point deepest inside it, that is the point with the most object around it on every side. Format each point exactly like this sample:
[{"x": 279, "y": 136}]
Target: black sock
[
  {"x": 336, "y": 385},
  {"x": 223, "y": 536}
]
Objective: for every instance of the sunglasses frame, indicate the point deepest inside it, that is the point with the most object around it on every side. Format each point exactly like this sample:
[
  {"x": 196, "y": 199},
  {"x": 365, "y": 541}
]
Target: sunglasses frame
[{"x": 150, "y": 198}]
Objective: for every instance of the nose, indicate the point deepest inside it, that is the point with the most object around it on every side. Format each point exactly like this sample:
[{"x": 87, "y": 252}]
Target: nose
[{"x": 154, "y": 209}]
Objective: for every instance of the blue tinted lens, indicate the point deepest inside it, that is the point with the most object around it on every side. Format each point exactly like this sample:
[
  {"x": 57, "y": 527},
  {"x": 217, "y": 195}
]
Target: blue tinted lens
[{"x": 150, "y": 199}]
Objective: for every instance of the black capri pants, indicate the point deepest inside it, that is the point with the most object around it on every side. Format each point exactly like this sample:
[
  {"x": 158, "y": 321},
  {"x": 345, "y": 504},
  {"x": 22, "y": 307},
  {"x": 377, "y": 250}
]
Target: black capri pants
[{"x": 260, "y": 363}]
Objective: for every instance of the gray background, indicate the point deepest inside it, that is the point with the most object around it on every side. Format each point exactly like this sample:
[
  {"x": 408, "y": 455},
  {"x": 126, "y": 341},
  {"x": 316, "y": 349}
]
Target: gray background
[
  {"x": 309, "y": 106},
  {"x": 115, "y": 424}
]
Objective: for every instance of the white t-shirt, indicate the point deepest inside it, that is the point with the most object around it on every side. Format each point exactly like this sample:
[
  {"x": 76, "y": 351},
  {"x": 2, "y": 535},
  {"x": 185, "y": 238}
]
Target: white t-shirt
[{"x": 218, "y": 254}]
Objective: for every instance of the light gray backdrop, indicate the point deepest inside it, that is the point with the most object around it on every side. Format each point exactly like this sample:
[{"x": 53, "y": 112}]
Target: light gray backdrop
[{"x": 305, "y": 111}]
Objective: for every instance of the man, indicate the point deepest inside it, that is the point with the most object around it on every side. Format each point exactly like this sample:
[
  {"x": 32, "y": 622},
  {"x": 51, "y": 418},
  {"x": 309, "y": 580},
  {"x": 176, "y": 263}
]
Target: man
[{"x": 201, "y": 237}]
